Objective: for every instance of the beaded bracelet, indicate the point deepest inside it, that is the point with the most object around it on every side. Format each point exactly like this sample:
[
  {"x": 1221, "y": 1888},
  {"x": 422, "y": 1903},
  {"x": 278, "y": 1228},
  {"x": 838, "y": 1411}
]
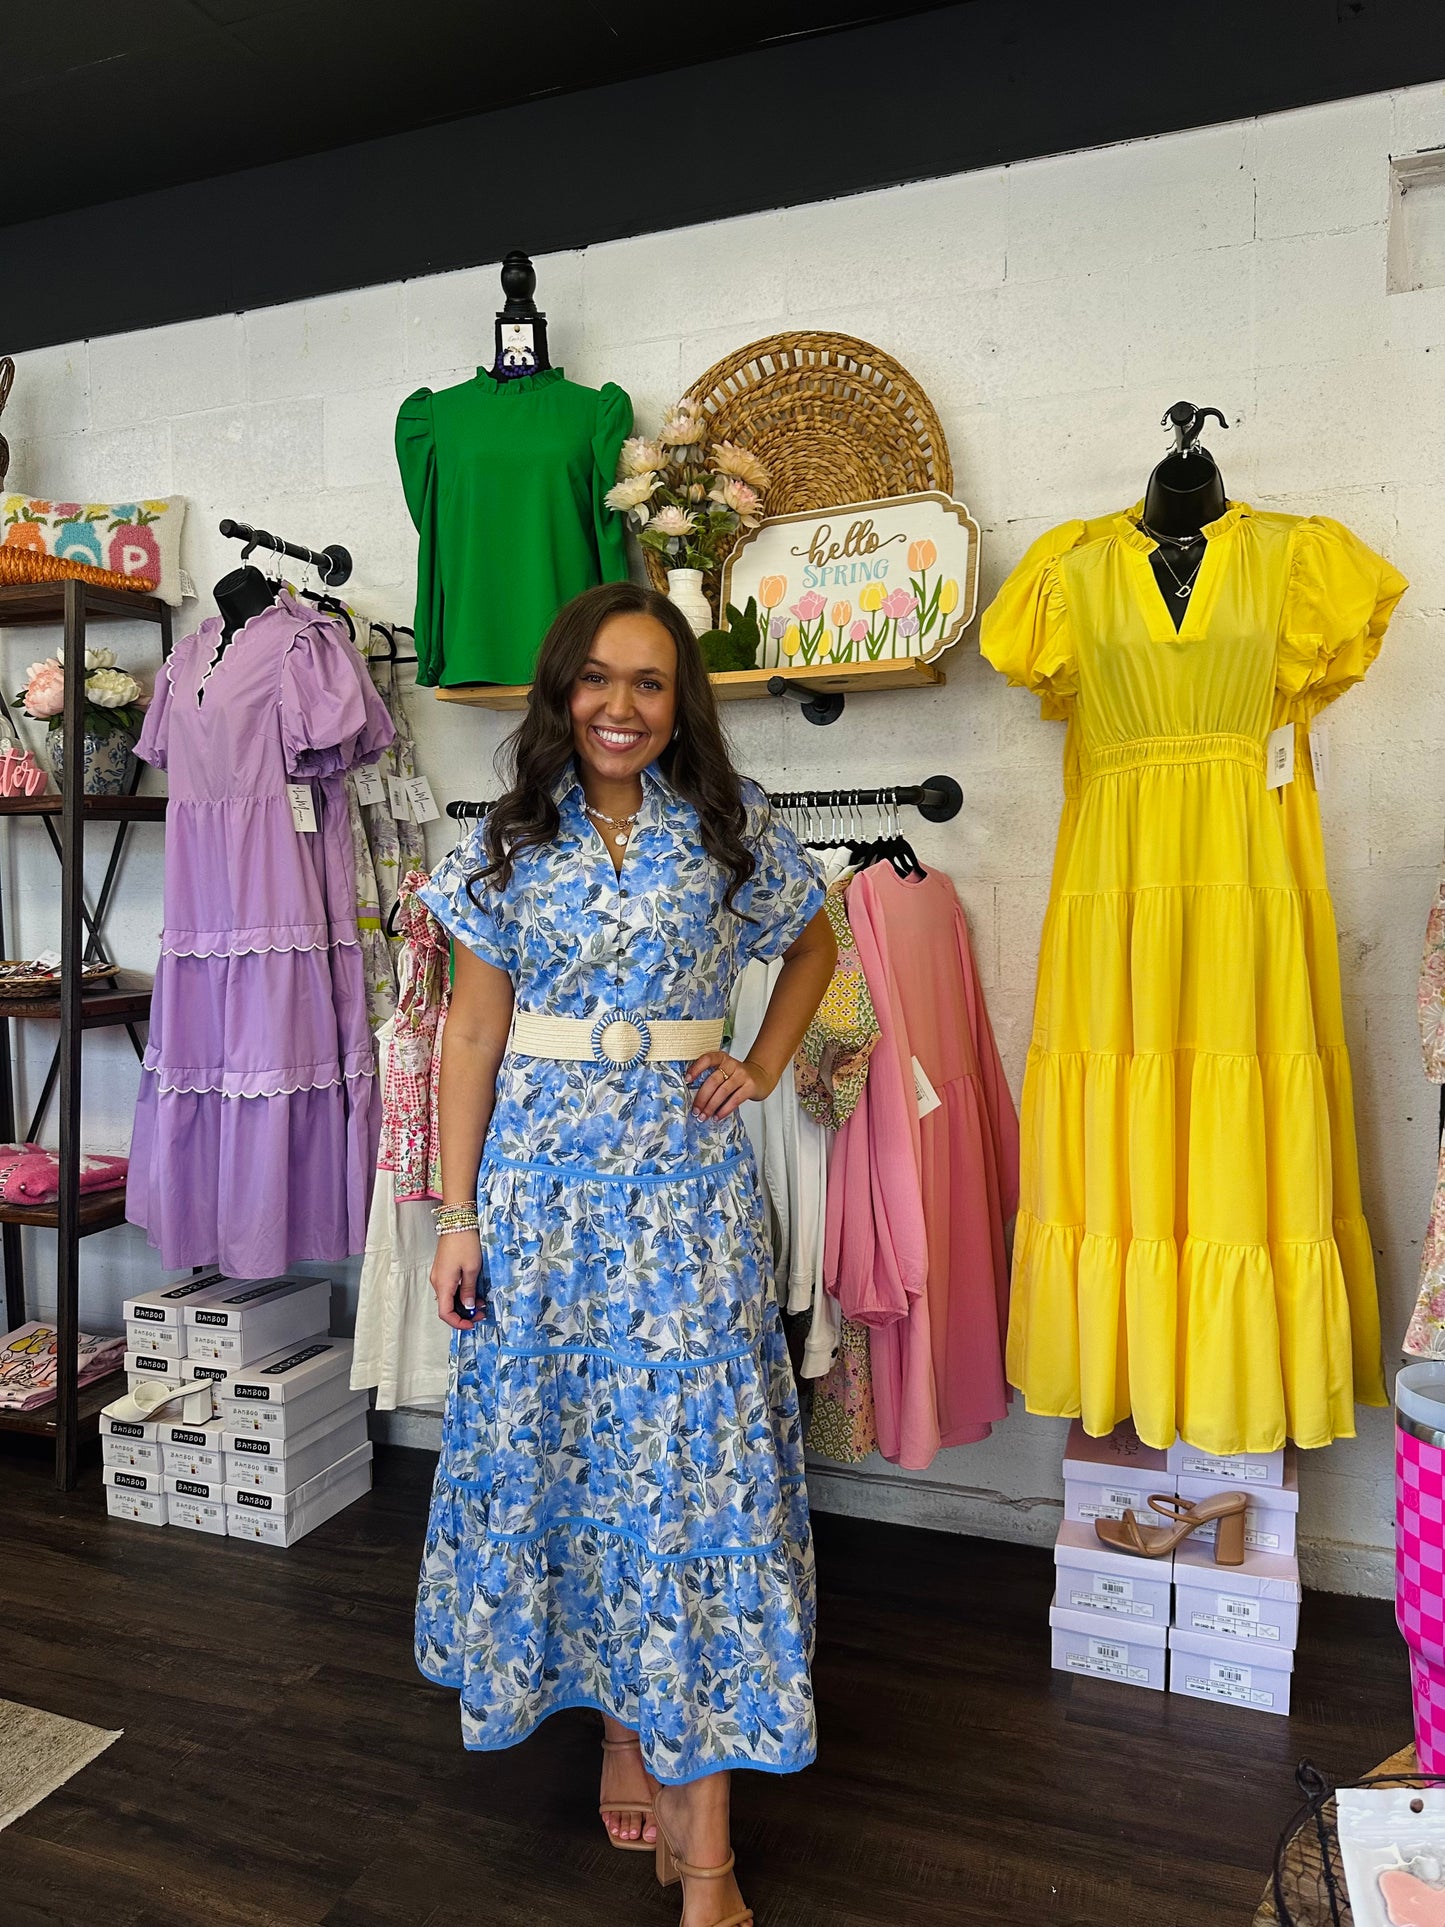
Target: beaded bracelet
[{"x": 455, "y": 1217}]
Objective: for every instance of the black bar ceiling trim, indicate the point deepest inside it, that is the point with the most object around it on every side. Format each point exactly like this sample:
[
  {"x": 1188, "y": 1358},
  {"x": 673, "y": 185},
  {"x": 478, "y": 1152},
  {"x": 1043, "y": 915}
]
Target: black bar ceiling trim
[{"x": 932, "y": 94}]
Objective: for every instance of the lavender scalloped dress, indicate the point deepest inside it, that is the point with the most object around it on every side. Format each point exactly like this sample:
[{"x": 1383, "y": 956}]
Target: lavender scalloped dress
[{"x": 256, "y": 1125}]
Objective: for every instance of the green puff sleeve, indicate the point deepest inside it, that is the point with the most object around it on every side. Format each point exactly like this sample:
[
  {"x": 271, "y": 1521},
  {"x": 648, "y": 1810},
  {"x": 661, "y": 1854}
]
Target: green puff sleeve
[
  {"x": 614, "y": 425},
  {"x": 416, "y": 457}
]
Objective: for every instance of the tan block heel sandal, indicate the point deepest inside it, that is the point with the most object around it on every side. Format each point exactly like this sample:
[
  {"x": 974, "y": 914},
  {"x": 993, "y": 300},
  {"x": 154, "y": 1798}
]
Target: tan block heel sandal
[
  {"x": 1156, "y": 1542},
  {"x": 644, "y": 1807},
  {"x": 671, "y": 1868}
]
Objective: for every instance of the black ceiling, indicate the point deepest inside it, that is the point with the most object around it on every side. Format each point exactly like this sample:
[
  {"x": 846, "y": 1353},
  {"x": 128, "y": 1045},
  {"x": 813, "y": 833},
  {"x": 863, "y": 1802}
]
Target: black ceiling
[
  {"x": 259, "y": 151},
  {"x": 101, "y": 101}
]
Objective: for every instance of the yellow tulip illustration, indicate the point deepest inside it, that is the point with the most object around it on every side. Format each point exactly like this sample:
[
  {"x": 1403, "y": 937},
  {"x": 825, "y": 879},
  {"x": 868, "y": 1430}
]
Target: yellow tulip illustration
[
  {"x": 872, "y": 598},
  {"x": 948, "y": 597},
  {"x": 792, "y": 639},
  {"x": 825, "y": 646},
  {"x": 842, "y": 613},
  {"x": 771, "y": 590},
  {"x": 922, "y": 554}
]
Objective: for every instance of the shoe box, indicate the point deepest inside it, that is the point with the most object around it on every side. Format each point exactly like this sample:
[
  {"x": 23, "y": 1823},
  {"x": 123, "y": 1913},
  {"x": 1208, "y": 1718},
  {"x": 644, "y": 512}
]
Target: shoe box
[
  {"x": 265, "y": 1464},
  {"x": 1106, "y": 1477},
  {"x": 251, "y": 1319},
  {"x": 1204, "y": 1667},
  {"x": 281, "y": 1396},
  {"x": 1216, "y": 1632},
  {"x": 155, "y": 1320},
  {"x": 281, "y": 1518},
  {"x": 192, "y": 1451}
]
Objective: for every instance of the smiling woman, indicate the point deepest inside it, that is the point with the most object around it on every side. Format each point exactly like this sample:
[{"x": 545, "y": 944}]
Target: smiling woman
[{"x": 619, "y": 1518}]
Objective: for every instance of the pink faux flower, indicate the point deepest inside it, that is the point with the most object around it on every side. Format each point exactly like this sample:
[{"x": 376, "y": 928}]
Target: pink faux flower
[
  {"x": 901, "y": 603},
  {"x": 809, "y": 607},
  {"x": 45, "y": 691}
]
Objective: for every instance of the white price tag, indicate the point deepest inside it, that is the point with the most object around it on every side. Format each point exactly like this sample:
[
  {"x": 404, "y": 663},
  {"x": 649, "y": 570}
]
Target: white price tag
[
  {"x": 1320, "y": 754},
  {"x": 1113, "y": 1588},
  {"x": 928, "y": 1098},
  {"x": 303, "y": 807},
  {"x": 400, "y": 803},
  {"x": 1223, "y": 1673},
  {"x": 1279, "y": 757},
  {"x": 49, "y": 960},
  {"x": 1230, "y": 1606},
  {"x": 423, "y": 803},
  {"x": 369, "y": 786}
]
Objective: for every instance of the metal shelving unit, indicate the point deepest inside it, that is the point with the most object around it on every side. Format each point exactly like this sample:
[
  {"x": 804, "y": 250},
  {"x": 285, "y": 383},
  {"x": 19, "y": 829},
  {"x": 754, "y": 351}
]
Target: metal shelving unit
[{"x": 74, "y": 1010}]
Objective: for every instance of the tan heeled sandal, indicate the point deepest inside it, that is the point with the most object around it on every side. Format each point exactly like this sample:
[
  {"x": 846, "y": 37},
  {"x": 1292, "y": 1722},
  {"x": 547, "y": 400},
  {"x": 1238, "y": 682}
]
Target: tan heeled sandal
[
  {"x": 1156, "y": 1542},
  {"x": 671, "y": 1868},
  {"x": 644, "y": 1807}
]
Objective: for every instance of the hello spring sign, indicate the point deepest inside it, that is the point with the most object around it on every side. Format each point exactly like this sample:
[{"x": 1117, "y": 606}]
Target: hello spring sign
[{"x": 867, "y": 582}]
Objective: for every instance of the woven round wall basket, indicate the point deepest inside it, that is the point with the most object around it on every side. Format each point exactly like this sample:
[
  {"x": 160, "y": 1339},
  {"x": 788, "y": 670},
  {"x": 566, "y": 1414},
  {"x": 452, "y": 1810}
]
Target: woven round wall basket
[{"x": 833, "y": 418}]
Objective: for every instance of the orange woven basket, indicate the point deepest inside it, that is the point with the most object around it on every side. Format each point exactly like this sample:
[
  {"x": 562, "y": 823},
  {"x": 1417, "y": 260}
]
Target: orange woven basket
[{"x": 32, "y": 565}]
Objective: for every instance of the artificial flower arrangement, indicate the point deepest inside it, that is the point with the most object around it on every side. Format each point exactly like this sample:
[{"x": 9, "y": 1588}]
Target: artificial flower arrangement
[
  {"x": 113, "y": 702},
  {"x": 685, "y": 505}
]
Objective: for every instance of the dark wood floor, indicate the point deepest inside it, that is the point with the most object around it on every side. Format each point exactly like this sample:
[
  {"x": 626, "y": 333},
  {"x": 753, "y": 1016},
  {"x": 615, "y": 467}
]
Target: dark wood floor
[{"x": 284, "y": 1764}]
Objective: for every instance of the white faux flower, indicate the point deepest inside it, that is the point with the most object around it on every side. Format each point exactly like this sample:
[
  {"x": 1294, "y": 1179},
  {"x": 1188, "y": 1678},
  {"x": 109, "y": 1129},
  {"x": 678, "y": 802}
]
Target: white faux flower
[
  {"x": 111, "y": 688},
  {"x": 631, "y": 496},
  {"x": 729, "y": 459},
  {"x": 684, "y": 427},
  {"x": 94, "y": 658},
  {"x": 640, "y": 456},
  {"x": 672, "y": 521}
]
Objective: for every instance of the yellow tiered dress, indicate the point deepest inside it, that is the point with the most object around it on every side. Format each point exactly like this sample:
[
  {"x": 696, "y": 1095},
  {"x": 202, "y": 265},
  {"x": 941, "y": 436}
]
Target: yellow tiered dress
[{"x": 1190, "y": 1246}]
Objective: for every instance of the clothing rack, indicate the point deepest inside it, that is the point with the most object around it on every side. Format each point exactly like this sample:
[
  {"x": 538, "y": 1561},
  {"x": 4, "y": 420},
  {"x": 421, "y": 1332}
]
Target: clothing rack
[
  {"x": 333, "y": 562},
  {"x": 937, "y": 798}
]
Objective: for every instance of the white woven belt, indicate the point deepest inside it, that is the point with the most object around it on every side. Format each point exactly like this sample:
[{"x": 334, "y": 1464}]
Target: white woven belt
[{"x": 618, "y": 1037}]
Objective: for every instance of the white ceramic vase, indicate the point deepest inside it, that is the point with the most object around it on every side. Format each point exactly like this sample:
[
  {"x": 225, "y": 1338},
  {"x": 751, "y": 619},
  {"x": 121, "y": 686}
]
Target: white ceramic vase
[{"x": 684, "y": 587}]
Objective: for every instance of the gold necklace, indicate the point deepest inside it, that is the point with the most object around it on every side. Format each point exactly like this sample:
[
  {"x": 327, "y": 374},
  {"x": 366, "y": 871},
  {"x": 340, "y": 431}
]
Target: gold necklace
[{"x": 622, "y": 824}]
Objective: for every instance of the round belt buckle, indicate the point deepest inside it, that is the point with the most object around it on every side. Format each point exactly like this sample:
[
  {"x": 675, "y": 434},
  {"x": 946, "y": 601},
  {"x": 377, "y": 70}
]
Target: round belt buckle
[{"x": 621, "y": 1038}]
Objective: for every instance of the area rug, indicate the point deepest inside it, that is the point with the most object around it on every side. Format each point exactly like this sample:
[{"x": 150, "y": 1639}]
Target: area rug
[{"x": 39, "y": 1752}]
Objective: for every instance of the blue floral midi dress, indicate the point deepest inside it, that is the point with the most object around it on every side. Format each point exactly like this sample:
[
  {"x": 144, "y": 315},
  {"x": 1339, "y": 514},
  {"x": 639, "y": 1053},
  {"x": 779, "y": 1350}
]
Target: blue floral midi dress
[{"x": 619, "y": 1518}]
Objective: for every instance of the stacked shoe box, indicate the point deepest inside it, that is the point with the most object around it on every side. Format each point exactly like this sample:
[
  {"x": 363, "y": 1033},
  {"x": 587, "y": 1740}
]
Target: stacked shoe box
[
  {"x": 1110, "y": 1616},
  {"x": 1234, "y": 1629},
  {"x": 294, "y": 1435}
]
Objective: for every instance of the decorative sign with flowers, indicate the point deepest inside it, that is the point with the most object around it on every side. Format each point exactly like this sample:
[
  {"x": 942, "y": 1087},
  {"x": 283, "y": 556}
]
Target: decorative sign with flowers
[{"x": 868, "y": 582}]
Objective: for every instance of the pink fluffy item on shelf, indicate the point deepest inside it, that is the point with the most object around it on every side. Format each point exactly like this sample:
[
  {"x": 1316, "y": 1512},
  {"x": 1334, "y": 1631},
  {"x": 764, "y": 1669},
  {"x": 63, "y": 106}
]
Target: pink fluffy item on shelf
[
  {"x": 30, "y": 1173},
  {"x": 20, "y": 774}
]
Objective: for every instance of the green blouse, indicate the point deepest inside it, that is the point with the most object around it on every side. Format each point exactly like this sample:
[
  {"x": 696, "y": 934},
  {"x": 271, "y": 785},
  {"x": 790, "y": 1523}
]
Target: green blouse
[{"x": 505, "y": 482}]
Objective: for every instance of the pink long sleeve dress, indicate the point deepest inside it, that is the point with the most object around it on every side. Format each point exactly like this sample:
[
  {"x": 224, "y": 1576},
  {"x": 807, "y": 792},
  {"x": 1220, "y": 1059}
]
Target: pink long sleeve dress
[{"x": 917, "y": 1207}]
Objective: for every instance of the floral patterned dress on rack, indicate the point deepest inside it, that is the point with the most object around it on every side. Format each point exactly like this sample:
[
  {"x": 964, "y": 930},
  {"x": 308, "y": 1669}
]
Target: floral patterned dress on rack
[{"x": 619, "y": 1518}]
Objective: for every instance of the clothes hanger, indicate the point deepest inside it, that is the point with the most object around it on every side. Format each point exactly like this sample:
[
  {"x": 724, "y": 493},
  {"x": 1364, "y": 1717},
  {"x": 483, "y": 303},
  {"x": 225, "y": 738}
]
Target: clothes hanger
[{"x": 325, "y": 602}]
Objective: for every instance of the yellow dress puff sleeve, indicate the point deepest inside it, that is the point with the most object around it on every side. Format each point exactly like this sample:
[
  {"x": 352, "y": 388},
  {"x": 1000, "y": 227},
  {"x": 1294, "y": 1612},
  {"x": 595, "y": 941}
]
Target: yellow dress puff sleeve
[
  {"x": 1337, "y": 605},
  {"x": 1025, "y": 632}
]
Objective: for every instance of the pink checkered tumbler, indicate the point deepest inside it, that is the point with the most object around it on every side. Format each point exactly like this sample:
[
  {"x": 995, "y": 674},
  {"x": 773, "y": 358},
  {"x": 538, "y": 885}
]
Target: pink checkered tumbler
[{"x": 1420, "y": 1548}]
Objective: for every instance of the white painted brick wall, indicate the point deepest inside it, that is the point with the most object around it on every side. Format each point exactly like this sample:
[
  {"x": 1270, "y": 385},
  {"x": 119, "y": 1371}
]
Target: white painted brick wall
[{"x": 1052, "y": 310}]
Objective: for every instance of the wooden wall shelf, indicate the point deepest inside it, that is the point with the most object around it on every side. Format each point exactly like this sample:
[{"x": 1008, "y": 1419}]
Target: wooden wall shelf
[{"x": 745, "y": 685}]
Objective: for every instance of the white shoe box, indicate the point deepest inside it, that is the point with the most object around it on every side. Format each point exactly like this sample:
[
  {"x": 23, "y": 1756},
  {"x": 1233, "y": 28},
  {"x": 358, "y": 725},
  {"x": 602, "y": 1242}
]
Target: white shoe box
[
  {"x": 1244, "y": 1468},
  {"x": 293, "y": 1389},
  {"x": 1205, "y": 1668},
  {"x": 1255, "y": 1604},
  {"x": 1270, "y": 1525},
  {"x": 166, "y": 1305},
  {"x": 158, "y": 1341},
  {"x": 253, "y": 1319},
  {"x": 1134, "y": 1655},
  {"x": 139, "y": 1455},
  {"x": 197, "y": 1515},
  {"x": 183, "y": 1487},
  {"x": 147, "y": 1508},
  {"x": 1106, "y": 1477},
  {"x": 193, "y": 1451},
  {"x": 280, "y": 1519},
  {"x": 144, "y": 1367},
  {"x": 129, "y": 1478},
  {"x": 261, "y": 1464},
  {"x": 1094, "y": 1579},
  {"x": 128, "y": 1428}
]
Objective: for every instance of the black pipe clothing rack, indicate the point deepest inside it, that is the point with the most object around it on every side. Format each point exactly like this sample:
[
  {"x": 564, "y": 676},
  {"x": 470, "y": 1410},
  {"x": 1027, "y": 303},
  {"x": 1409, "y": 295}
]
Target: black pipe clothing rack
[
  {"x": 333, "y": 562},
  {"x": 937, "y": 798}
]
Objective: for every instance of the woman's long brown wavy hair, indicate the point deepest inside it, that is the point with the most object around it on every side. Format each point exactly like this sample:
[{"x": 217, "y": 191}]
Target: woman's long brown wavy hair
[{"x": 696, "y": 762}]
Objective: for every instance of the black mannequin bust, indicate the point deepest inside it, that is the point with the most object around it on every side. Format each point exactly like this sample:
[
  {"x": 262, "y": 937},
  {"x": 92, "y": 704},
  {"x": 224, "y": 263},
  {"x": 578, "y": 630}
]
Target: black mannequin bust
[
  {"x": 244, "y": 593},
  {"x": 521, "y": 326},
  {"x": 1183, "y": 496}
]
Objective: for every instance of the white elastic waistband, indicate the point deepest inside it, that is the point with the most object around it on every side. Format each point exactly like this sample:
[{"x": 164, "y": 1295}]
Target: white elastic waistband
[{"x": 621, "y": 1038}]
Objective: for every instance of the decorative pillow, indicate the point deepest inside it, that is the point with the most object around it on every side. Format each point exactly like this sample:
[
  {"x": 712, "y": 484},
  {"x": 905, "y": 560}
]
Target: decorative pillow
[
  {"x": 30, "y": 1174},
  {"x": 127, "y": 538}
]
